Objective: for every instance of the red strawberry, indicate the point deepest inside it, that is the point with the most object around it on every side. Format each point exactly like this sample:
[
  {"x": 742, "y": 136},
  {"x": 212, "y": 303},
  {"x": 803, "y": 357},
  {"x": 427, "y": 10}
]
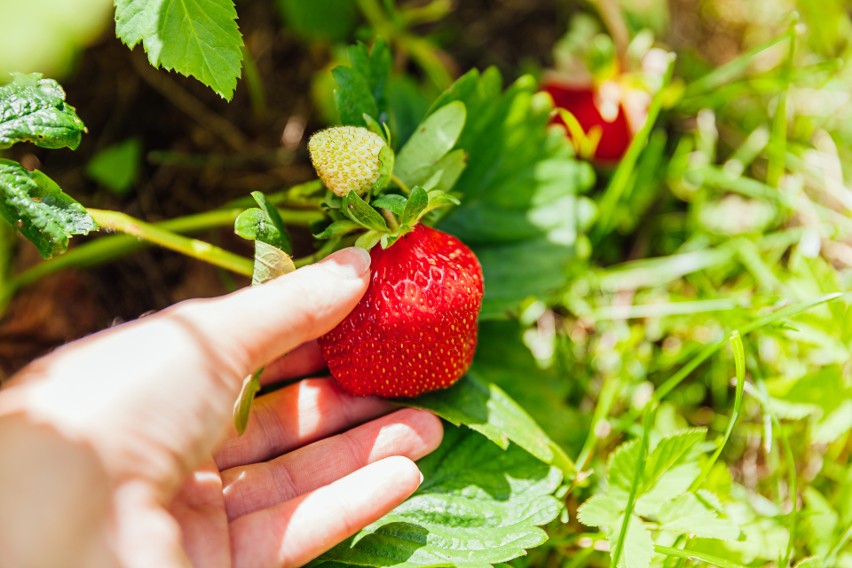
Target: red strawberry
[
  {"x": 580, "y": 101},
  {"x": 414, "y": 331}
]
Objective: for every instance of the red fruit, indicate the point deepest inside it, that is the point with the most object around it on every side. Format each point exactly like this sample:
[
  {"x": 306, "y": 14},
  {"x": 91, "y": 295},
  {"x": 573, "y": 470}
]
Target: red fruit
[
  {"x": 580, "y": 101},
  {"x": 414, "y": 331}
]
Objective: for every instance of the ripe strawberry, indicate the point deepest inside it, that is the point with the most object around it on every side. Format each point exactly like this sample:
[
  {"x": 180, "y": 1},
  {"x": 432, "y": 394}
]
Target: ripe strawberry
[
  {"x": 580, "y": 101},
  {"x": 414, "y": 331}
]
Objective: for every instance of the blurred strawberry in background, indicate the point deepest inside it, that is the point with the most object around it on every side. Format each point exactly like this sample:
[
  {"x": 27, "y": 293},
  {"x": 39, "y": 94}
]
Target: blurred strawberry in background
[{"x": 601, "y": 86}]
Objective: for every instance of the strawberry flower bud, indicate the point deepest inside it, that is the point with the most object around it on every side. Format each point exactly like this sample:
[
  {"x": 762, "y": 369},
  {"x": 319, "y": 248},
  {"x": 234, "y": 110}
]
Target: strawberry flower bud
[{"x": 350, "y": 158}]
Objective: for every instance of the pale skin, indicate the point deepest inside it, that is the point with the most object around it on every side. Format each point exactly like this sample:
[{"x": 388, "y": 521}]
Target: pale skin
[{"x": 119, "y": 449}]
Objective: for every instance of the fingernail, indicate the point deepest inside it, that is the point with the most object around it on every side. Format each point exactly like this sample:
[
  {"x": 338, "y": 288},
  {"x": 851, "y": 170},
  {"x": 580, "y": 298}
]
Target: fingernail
[
  {"x": 350, "y": 262},
  {"x": 421, "y": 479}
]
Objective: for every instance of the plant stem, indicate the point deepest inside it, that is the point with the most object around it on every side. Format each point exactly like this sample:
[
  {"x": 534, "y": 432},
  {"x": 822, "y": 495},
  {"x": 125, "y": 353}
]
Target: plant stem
[
  {"x": 194, "y": 248},
  {"x": 391, "y": 220},
  {"x": 108, "y": 248},
  {"x": 401, "y": 184},
  {"x": 695, "y": 555}
]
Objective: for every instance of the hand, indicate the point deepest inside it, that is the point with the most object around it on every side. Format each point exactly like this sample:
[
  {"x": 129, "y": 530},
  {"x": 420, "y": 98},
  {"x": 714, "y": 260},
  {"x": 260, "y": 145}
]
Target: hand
[{"x": 118, "y": 449}]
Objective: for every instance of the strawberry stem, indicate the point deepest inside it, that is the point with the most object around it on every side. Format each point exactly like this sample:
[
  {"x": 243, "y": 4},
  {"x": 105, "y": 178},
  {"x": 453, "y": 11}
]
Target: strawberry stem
[
  {"x": 401, "y": 184},
  {"x": 393, "y": 224}
]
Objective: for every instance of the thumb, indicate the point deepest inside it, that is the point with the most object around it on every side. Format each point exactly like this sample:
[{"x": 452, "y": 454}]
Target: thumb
[{"x": 253, "y": 326}]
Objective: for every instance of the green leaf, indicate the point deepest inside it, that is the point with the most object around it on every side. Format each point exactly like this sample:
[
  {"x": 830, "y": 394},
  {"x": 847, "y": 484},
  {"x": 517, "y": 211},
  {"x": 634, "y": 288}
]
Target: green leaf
[
  {"x": 638, "y": 547},
  {"x": 519, "y": 207},
  {"x": 447, "y": 171},
  {"x": 369, "y": 239},
  {"x": 39, "y": 209},
  {"x": 414, "y": 207},
  {"x": 486, "y": 408},
  {"x": 34, "y": 110},
  {"x": 478, "y": 505},
  {"x": 601, "y": 510},
  {"x": 669, "y": 485},
  {"x": 503, "y": 358},
  {"x": 196, "y": 38},
  {"x": 263, "y": 223},
  {"x": 392, "y": 202},
  {"x": 242, "y": 408},
  {"x": 117, "y": 167},
  {"x": 670, "y": 451},
  {"x": 270, "y": 262},
  {"x": 416, "y": 162},
  {"x": 687, "y": 514},
  {"x": 362, "y": 213},
  {"x": 361, "y": 86},
  {"x": 338, "y": 228},
  {"x": 311, "y": 20}
]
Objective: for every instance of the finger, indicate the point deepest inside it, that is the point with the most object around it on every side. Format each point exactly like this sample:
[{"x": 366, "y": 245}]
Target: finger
[
  {"x": 166, "y": 384},
  {"x": 292, "y": 533},
  {"x": 303, "y": 361},
  {"x": 253, "y": 326},
  {"x": 294, "y": 416},
  {"x": 410, "y": 433},
  {"x": 199, "y": 510}
]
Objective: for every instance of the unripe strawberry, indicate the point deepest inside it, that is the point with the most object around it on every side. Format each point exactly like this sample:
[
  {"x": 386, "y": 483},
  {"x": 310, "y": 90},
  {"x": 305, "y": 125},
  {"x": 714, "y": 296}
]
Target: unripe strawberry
[{"x": 350, "y": 158}]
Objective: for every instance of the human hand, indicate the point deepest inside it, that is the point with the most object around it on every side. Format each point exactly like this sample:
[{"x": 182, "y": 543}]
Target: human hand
[{"x": 118, "y": 449}]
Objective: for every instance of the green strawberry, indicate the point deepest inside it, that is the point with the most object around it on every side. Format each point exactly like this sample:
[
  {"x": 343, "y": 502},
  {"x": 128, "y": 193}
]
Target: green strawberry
[
  {"x": 350, "y": 158},
  {"x": 414, "y": 331}
]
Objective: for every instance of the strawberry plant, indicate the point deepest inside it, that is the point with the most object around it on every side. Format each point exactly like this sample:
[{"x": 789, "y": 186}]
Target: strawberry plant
[{"x": 621, "y": 279}]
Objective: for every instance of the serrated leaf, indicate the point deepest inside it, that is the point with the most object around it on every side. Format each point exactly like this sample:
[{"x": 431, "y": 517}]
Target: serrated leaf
[
  {"x": 504, "y": 359},
  {"x": 360, "y": 87},
  {"x": 519, "y": 191},
  {"x": 34, "y": 110},
  {"x": 670, "y": 451},
  {"x": 486, "y": 408},
  {"x": 197, "y": 38},
  {"x": 414, "y": 207},
  {"x": 362, "y": 213},
  {"x": 638, "y": 547},
  {"x": 672, "y": 483},
  {"x": 392, "y": 202},
  {"x": 600, "y": 510},
  {"x": 622, "y": 464},
  {"x": 687, "y": 514},
  {"x": 434, "y": 138},
  {"x": 478, "y": 505},
  {"x": 37, "y": 207},
  {"x": 270, "y": 262}
]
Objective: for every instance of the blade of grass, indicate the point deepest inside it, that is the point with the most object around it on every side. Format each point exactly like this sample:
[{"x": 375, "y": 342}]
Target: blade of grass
[
  {"x": 739, "y": 362},
  {"x": 768, "y": 320},
  {"x": 695, "y": 555},
  {"x": 608, "y": 396},
  {"x": 733, "y": 69},
  {"x": 639, "y": 311},
  {"x": 624, "y": 172},
  {"x": 647, "y": 422},
  {"x": 777, "y": 148}
]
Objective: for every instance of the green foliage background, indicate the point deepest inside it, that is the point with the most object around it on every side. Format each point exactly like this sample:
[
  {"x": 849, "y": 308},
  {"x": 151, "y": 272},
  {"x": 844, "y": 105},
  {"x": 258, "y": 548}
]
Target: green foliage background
[{"x": 663, "y": 376}]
